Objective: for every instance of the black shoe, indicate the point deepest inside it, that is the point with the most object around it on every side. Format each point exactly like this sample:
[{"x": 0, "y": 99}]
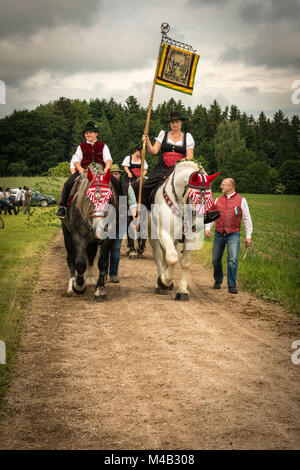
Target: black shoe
[
  {"x": 61, "y": 212},
  {"x": 232, "y": 290},
  {"x": 211, "y": 216},
  {"x": 217, "y": 285}
]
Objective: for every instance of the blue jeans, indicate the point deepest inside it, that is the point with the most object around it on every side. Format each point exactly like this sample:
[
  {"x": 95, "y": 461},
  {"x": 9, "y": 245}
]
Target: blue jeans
[
  {"x": 233, "y": 247},
  {"x": 114, "y": 257}
]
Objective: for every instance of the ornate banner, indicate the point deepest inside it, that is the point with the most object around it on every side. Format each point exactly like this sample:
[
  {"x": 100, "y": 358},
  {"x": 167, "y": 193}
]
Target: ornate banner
[{"x": 177, "y": 68}]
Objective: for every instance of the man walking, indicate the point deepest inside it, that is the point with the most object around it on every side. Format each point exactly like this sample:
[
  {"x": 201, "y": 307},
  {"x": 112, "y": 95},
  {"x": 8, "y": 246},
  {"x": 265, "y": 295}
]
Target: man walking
[{"x": 233, "y": 208}]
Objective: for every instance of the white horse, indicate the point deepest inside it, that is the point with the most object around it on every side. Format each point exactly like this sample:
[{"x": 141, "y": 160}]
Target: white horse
[{"x": 173, "y": 219}]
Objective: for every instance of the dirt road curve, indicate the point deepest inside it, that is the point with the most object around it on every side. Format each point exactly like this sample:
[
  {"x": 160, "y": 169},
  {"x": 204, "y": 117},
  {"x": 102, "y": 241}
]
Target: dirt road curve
[{"x": 145, "y": 372}]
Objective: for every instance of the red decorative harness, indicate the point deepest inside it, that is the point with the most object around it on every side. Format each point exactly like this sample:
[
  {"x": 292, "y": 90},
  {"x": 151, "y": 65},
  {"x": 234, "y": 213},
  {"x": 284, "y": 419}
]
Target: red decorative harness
[{"x": 99, "y": 192}]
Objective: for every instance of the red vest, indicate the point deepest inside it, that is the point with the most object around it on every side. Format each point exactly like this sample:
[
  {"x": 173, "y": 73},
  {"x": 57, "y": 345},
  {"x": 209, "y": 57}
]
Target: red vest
[
  {"x": 92, "y": 153},
  {"x": 230, "y": 214}
]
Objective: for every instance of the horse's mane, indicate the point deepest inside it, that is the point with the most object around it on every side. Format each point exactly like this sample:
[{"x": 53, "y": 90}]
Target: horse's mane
[{"x": 183, "y": 164}]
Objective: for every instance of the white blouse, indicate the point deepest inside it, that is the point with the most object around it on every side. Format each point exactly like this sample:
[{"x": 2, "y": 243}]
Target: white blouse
[
  {"x": 126, "y": 162},
  {"x": 190, "y": 143}
]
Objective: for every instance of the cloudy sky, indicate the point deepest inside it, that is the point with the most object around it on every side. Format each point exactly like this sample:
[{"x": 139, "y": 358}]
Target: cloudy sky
[{"x": 249, "y": 51}]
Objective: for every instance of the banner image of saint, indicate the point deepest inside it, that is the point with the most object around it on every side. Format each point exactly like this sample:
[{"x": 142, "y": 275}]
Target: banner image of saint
[{"x": 177, "y": 69}]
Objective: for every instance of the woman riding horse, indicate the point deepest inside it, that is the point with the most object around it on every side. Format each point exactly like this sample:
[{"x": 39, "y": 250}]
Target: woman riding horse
[{"x": 174, "y": 145}]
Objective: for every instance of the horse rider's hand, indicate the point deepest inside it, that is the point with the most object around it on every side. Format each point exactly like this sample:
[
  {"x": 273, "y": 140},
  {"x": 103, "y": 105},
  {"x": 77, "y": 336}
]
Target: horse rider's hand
[
  {"x": 207, "y": 233},
  {"x": 248, "y": 242}
]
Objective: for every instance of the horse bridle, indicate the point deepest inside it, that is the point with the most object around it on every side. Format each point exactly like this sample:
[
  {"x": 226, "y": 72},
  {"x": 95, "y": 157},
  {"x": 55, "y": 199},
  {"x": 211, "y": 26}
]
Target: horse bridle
[{"x": 169, "y": 201}]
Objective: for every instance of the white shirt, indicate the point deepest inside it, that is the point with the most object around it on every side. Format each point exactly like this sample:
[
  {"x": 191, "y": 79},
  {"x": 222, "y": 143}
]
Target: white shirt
[
  {"x": 190, "y": 143},
  {"x": 78, "y": 156},
  {"x": 246, "y": 217},
  {"x": 126, "y": 162},
  {"x": 18, "y": 195}
]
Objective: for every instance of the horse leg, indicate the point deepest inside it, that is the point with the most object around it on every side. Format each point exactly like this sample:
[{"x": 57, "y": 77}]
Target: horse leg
[
  {"x": 165, "y": 280},
  {"x": 70, "y": 257},
  {"x": 91, "y": 252},
  {"x": 80, "y": 266},
  {"x": 103, "y": 262},
  {"x": 141, "y": 246},
  {"x": 182, "y": 292},
  {"x": 131, "y": 251}
]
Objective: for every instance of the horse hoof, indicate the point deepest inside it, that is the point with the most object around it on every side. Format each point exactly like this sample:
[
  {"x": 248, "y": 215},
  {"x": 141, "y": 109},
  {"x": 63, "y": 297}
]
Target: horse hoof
[
  {"x": 132, "y": 256},
  {"x": 100, "y": 298},
  {"x": 160, "y": 291},
  {"x": 182, "y": 297},
  {"x": 78, "y": 291},
  {"x": 163, "y": 286}
]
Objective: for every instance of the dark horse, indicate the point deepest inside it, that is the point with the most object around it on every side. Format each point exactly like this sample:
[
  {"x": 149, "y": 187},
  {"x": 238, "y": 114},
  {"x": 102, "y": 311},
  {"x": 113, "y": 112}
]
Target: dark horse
[{"x": 92, "y": 220}]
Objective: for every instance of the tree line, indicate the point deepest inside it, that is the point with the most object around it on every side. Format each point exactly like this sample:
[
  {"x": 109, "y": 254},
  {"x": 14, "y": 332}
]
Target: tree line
[{"x": 262, "y": 155}]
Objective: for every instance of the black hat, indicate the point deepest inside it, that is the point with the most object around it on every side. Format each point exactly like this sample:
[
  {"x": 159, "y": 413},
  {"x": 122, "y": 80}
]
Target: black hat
[
  {"x": 90, "y": 126},
  {"x": 174, "y": 116}
]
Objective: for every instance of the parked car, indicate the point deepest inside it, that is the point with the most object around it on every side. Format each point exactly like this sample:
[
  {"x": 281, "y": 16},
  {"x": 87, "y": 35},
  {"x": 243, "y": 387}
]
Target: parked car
[{"x": 37, "y": 199}]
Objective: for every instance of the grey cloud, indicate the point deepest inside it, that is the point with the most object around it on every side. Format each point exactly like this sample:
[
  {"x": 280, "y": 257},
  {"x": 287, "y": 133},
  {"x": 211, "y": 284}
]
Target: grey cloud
[
  {"x": 270, "y": 12},
  {"x": 250, "y": 90},
  {"x": 271, "y": 50},
  {"x": 24, "y": 18},
  {"x": 63, "y": 51}
]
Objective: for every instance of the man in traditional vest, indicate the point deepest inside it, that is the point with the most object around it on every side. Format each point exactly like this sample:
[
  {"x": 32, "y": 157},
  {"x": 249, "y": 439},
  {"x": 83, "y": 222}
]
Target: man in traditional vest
[
  {"x": 92, "y": 150},
  {"x": 233, "y": 208}
]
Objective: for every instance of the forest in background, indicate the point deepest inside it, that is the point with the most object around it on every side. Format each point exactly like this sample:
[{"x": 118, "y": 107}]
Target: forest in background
[{"x": 262, "y": 155}]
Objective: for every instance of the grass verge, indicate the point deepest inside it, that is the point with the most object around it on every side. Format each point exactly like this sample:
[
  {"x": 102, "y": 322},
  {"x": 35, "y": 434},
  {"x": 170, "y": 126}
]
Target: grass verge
[
  {"x": 271, "y": 268},
  {"x": 22, "y": 243}
]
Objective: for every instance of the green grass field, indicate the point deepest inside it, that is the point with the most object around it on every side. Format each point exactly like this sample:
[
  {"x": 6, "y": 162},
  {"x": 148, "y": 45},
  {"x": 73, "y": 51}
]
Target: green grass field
[
  {"x": 22, "y": 244},
  {"x": 271, "y": 268}
]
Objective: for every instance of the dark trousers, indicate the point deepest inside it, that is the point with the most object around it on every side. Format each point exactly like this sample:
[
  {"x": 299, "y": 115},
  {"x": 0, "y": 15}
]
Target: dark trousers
[{"x": 232, "y": 240}]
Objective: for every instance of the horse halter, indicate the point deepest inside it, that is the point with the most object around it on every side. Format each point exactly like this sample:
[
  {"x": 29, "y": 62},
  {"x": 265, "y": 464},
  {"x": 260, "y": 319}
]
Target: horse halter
[
  {"x": 99, "y": 192},
  {"x": 199, "y": 190}
]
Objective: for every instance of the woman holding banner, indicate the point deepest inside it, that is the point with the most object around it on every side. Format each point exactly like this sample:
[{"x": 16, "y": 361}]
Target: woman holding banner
[{"x": 173, "y": 145}]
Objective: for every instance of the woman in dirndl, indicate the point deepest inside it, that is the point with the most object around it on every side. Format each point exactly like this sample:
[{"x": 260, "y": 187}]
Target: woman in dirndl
[
  {"x": 173, "y": 145},
  {"x": 132, "y": 166}
]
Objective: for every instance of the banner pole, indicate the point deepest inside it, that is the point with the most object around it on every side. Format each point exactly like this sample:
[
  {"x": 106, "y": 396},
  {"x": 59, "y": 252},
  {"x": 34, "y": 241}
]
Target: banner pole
[{"x": 164, "y": 29}]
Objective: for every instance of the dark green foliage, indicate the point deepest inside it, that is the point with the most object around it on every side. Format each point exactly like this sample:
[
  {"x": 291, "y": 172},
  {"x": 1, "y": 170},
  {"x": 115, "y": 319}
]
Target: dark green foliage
[{"x": 253, "y": 151}]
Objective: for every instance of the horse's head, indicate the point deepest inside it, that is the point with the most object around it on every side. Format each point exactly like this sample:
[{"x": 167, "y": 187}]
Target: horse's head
[
  {"x": 199, "y": 190},
  {"x": 99, "y": 193}
]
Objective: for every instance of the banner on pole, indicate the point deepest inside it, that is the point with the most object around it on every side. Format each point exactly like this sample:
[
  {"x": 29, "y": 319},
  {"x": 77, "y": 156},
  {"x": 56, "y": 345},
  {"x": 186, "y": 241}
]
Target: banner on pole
[{"x": 177, "y": 68}]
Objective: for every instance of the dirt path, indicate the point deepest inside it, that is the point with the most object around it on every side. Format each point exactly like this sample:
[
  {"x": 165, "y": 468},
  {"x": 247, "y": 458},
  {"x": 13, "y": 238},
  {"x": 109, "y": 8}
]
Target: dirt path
[{"x": 145, "y": 372}]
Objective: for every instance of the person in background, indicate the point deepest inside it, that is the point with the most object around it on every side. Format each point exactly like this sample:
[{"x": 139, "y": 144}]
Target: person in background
[
  {"x": 132, "y": 166},
  {"x": 5, "y": 202},
  {"x": 28, "y": 196},
  {"x": 114, "y": 257},
  {"x": 18, "y": 201},
  {"x": 233, "y": 209}
]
